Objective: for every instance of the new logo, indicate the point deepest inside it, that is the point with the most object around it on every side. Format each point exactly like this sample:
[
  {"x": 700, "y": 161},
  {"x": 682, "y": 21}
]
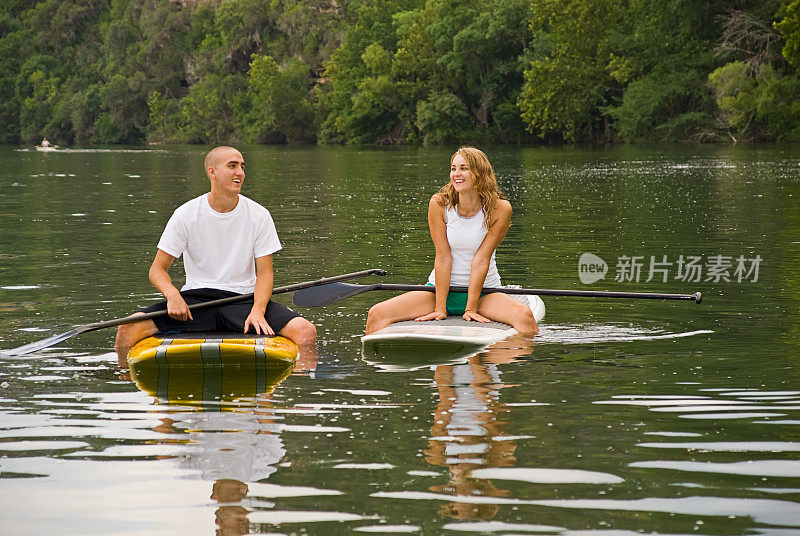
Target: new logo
[{"x": 591, "y": 268}]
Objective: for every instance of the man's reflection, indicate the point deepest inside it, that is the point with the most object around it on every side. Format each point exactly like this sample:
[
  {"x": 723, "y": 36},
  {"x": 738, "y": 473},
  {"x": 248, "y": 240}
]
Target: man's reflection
[
  {"x": 231, "y": 518},
  {"x": 229, "y": 444}
]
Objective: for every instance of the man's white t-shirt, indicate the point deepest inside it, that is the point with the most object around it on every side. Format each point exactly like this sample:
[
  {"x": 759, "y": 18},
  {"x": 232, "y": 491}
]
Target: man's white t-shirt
[{"x": 219, "y": 248}]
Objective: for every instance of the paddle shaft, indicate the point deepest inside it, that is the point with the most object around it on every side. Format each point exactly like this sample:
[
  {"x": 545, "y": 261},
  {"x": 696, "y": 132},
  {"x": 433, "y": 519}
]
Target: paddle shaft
[
  {"x": 235, "y": 299},
  {"x": 327, "y": 294},
  {"x": 40, "y": 345},
  {"x": 696, "y": 297}
]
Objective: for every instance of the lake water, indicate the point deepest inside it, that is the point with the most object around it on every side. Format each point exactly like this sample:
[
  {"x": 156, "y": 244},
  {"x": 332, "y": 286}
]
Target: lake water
[{"x": 622, "y": 417}]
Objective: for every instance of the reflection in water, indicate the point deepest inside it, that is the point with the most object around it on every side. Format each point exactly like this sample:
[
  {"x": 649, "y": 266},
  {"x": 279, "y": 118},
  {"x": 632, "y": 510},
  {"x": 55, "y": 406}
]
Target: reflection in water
[
  {"x": 612, "y": 332},
  {"x": 231, "y": 518},
  {"x": 467, "y": 425},
  {"x": 228, "y": 443},
  {"x": 230, "y": 449},
  {"x": 241, "y": 445},
  {"x": 208, "y": 386},
  {"x": 74, "y": 437}
]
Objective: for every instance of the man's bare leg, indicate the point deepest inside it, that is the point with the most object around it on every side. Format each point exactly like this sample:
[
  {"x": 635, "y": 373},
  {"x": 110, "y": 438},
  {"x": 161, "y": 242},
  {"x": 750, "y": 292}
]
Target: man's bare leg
[
  {"x": 130, "y": 334},
  {"x": 304, "y": 334}
]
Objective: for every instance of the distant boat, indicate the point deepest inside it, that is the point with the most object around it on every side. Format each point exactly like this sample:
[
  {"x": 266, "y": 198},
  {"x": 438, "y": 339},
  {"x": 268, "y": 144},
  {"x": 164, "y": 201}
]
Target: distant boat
[{"x": 47, "y": 149}]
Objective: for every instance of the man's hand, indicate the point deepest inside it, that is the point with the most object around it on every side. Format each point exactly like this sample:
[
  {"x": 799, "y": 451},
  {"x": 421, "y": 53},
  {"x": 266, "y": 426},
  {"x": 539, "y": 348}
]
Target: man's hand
[
  {"x": 257, "y": 320},
  {"x": 177, "y": 308}
]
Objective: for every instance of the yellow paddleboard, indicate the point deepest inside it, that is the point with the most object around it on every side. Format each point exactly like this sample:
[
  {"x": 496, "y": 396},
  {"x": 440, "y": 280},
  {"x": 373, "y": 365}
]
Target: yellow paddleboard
[{"x": 210, "y": 367}]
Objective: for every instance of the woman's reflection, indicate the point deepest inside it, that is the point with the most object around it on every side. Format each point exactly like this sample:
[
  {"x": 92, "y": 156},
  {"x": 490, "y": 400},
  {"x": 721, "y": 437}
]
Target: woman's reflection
[{"x": 468, "y": 424}]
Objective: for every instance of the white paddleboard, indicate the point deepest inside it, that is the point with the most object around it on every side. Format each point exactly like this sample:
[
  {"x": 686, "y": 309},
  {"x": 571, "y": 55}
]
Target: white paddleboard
[{"x": 451, "y": 334}]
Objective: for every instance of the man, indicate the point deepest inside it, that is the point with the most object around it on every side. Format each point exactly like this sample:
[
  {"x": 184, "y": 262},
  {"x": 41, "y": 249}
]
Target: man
[{"x": 227, "y": 242}]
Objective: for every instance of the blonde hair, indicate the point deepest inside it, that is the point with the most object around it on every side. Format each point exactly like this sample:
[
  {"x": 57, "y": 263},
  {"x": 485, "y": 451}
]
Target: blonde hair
[{"x": 485, "y": 183}]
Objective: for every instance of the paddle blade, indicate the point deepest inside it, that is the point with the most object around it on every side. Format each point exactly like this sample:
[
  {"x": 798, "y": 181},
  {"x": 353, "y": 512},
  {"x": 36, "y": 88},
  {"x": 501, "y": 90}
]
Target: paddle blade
[
  {"x": 325, "y": 294},
  {"x": 41, "y": 345}
]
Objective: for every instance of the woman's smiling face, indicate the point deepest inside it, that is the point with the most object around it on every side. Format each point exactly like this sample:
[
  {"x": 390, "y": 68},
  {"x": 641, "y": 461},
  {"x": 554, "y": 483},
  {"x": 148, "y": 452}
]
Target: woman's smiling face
[{"x": 460, "y": 174}]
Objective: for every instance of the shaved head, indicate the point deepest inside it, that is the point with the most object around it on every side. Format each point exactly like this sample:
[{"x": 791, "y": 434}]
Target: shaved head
[{"x": 215, "y": 156}]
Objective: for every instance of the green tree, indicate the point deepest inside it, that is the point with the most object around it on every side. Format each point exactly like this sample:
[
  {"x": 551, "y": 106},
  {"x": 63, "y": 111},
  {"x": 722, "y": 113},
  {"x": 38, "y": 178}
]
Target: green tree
[
  {"x": 12, "y": 55},
  {"x": 280, "y": 101},
  {"x": 758, "y": 94},
  {"x": 357, "y": 101},
  {"x": 144, "y": 46},
  {"x": 757, "y": 107},
  {"x": 440, "y": 119},
  {"x": 789, "y": 28},
  {"x": 210, "y": 112},
  {"x": 569, "y": 80},
  {"x": 438, "y": 71},
  {"x": 627, "y": 70},
  {"x": 480, "y": 46},
  {"x": 673, "y": 42},
  {"x": 37, "y": 89},
  {"x": 397, "y": 71}
]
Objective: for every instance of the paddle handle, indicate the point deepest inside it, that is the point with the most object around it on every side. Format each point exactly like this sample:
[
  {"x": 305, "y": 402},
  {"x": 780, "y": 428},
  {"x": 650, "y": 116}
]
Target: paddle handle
[
  {"x": 233, "y": 299},
  {"x": 696, "y": 297}
]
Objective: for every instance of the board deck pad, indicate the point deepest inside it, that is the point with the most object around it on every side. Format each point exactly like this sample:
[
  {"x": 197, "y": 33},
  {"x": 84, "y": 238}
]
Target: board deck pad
[
  {"x": 208, "y": 335},
  {"x": 450, "y": 321}
]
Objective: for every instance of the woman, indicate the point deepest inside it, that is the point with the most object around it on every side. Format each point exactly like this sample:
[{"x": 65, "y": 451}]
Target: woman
[{"x": 468, "y": 219}]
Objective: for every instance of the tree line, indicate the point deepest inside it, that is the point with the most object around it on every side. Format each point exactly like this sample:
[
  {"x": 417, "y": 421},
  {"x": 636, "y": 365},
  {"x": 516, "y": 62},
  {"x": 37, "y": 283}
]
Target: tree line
[{"x": 391, "y": 72}]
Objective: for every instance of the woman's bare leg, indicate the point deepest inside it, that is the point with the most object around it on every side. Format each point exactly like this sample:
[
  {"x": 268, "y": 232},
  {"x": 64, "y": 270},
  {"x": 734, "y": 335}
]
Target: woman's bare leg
[
  {"x": 406, "y": 306},
  {"x": 503, "y": 308}
]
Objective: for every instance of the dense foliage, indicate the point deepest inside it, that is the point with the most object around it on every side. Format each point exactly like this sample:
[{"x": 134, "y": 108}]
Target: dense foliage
[{"x": 399, "y": 71}]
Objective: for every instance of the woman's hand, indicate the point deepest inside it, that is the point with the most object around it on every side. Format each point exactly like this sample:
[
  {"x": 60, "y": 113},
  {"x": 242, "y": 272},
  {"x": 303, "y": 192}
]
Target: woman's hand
[
  {"x": 435, "y": 315},
  {"x": 473, "y": 315}
]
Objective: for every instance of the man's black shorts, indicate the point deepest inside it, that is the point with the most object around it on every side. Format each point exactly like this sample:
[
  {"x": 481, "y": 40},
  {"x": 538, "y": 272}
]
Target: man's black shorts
[{"x": 226, "y": 318}]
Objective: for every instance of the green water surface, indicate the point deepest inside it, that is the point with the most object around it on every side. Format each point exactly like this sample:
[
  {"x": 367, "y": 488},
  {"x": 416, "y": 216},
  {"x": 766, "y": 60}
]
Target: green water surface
[{"x": 622, "y": 417}]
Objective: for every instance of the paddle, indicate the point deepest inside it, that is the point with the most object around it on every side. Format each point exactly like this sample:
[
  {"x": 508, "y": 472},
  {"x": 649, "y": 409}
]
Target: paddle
[
  {"x": 55, "y": 339},
  {"x": 323, "y": 295}
]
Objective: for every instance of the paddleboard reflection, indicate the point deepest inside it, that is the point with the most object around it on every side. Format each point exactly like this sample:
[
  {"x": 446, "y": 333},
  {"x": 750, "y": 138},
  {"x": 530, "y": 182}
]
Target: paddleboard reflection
[
  {"x": 232, "y": 437},
  {"x": 399, "y": 357},
  {"x": 210, "y": 387}
]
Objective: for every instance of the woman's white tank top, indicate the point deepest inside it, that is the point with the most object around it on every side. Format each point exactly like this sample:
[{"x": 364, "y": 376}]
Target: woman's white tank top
[{"x": 465, "y": 235}]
